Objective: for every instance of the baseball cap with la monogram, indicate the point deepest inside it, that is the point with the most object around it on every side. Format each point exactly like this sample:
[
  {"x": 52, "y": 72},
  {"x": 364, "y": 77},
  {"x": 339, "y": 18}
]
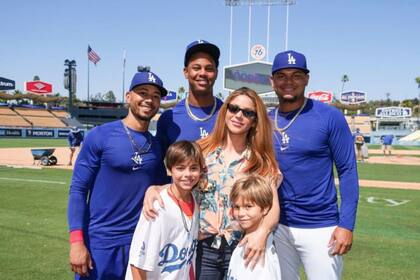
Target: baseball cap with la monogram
[
  {"x": 148, "y": 78},
  {"x": 202, "y": 46},
  {"x": 289, "y": 59}
]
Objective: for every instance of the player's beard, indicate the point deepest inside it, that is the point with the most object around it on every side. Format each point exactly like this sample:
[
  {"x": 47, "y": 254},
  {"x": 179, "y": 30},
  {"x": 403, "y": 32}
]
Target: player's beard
[
  {"x": 136, "y": 112},
  {"x": 290, "y": 99}
]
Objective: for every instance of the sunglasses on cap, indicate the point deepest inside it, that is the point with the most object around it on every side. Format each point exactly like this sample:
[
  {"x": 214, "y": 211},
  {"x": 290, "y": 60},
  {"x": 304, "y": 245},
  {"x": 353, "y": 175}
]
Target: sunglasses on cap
[{"x": 247, "y": 113}]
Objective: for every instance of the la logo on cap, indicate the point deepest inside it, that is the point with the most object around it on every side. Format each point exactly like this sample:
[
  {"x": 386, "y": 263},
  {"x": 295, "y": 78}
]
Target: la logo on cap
[
  {"x": 152, "y": 78},
  {"x": 291, "y": 59}
]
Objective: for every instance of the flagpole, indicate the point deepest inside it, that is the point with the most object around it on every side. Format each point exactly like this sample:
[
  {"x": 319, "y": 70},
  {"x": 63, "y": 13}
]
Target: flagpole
[
  {"x": 88, "y": 86},
  {"x": 123, "y": 77}
]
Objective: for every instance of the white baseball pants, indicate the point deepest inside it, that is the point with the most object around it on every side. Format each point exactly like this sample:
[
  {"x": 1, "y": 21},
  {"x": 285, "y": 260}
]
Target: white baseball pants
[{"x": 307, "y": 247}]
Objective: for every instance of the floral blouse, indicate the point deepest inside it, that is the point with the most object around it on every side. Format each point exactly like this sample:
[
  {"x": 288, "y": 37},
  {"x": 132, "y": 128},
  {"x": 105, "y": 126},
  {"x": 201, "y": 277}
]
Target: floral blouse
[{"x": 215, "y": 216}]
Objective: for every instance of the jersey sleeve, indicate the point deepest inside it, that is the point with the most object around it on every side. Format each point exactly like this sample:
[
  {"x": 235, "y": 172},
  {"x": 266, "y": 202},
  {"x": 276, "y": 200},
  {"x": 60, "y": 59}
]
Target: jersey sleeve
[
  {"x": 85, "y": 170},
  {"x": 144, "y": 250},
  {"x": 342, "y": 147}
]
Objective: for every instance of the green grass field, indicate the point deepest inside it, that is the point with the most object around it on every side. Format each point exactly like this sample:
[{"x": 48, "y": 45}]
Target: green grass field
[
  {"x": 24, "y": 143},
  {"x": 396, "y": 147},
  {"x": 389, "y": 172},
  {"x": 33, "y": 235}
]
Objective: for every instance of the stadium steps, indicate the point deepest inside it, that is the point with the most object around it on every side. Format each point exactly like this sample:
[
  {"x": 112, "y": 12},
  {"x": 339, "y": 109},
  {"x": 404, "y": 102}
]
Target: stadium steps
[
  {"x": 71, "y": 122},
  {"x": 23, "y": 117}
]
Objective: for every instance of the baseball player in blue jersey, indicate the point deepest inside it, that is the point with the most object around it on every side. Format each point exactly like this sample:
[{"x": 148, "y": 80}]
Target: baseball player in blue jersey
[
  {"x": 194, "y": 117},
  {"x": 311, "y": 137},
  {"x": 117, "y": 163},
  {"x": 75, "y": 139}
]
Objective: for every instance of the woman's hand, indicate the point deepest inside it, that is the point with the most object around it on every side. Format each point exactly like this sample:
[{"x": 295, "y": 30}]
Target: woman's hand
[
  {"x": 152, "y": 194},
  {"x": 255, "y": 246}
]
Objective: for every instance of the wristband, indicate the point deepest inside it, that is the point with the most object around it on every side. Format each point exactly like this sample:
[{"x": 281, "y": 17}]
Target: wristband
[{"x": 76, "y": 236}]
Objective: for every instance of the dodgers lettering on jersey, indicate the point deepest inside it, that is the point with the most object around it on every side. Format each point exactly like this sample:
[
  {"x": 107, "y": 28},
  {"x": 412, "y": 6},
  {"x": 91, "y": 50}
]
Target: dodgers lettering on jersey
[
  {"x": 173, "y": 258},
  {"x": 163, "y": 247}
]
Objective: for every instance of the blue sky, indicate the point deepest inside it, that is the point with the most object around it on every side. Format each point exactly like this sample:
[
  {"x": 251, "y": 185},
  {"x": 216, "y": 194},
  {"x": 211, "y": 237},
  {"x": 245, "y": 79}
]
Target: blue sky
[{"x": 376, "y": 43}]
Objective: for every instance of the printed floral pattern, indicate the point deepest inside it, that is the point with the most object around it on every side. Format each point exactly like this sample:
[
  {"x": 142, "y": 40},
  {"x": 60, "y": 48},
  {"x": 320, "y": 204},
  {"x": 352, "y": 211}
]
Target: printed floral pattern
[{"x": 215, "y": 216}]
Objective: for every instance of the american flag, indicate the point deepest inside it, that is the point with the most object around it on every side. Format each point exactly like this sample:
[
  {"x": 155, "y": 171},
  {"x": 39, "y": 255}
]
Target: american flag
[{"x": 93, "y": 56}]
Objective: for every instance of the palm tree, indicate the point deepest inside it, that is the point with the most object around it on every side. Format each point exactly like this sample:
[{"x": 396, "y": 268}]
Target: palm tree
[
  {"x": 418, "y": 83},
  {"x": 181, "y": 91},
  {"x": 344, "y": 80}
]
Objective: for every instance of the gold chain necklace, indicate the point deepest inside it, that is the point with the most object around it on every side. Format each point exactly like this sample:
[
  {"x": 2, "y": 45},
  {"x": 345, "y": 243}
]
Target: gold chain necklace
[
  {"x": 290, "y": 123},
  {"x": 194, "y": 117}
]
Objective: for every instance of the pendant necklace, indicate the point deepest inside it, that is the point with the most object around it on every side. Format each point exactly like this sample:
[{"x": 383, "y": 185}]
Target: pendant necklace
[
  {"x": 284, "y": 137},
  {"x": 194, "y": 117},
  {"x": 138, "y": 151},
  {"x": 184, "y": 220},
  {"x": 290, "y": 123}
]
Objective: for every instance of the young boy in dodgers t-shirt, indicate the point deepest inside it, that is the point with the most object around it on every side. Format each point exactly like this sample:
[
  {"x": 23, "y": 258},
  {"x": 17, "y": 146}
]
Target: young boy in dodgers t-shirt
[
  {"x": 251, "y": 199},
  {"x": 165, "y": 248}
]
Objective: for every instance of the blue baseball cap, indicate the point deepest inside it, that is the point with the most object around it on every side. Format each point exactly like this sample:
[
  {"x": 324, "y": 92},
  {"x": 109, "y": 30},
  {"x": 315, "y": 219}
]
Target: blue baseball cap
[
  {"x": 289, "y": 59},
  {"x": 148, "y": 78},
  {"x": 202, "y": 46}
]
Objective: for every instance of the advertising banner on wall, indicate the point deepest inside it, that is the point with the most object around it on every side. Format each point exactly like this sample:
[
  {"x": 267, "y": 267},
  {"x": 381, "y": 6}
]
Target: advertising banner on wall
[
  {"x": 323, "y": 96},
  {"x": 63, "y": 133},
  {"x": 6, "y": 84},
  {"x": 38, "y": 87},
  {"x": 40, "y": 133},
  {"x": 393, "y": 112},
  {"x": 353, "y": 97},
  {"x": 255, "y": 75},
  {"x": 13, "y": 132}
]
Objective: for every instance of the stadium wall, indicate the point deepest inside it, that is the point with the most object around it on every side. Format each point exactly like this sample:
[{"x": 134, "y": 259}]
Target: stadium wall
[{"x": 7, "y": 132}]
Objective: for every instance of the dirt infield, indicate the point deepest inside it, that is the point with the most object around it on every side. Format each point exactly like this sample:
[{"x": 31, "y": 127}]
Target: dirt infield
[
  {"x": 22, "y": 157},
  {"x": 396, "y": 152},
  {"x": 405, "y": 160}
]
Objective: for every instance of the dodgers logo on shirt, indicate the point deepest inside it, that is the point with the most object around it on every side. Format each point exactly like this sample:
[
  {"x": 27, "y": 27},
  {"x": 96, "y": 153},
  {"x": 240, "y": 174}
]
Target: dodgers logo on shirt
[
  {"x": 203, "y": 132},
  {"x": 137, "y": 161},
  {"x": 284, "y": 141},
  {"x": 173, "y": 258}
]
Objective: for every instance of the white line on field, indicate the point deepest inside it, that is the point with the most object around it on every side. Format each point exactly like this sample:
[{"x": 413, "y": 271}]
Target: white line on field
[{"x": 31, "y": 180}]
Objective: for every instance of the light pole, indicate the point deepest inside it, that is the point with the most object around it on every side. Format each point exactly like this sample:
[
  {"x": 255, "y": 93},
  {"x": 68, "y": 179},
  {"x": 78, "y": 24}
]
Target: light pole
[
  {"x": 70, "y": 84},
  {"x": 287, "y": 3}
]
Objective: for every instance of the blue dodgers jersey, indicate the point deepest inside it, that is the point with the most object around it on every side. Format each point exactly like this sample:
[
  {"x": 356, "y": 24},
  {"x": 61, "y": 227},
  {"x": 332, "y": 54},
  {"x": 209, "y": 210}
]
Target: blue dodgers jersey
[
  {"x": 318, "y": 138},
  {"x": 75, "y": 138},
  {"x": 174, "y": 125},
  {"x": 387, "y": 139},
  {"x": 107, "y": 188}
]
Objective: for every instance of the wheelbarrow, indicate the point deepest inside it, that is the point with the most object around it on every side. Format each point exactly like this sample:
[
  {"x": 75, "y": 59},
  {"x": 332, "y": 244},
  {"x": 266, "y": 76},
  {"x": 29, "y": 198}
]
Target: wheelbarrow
[{"x": 44, "y": 156}]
